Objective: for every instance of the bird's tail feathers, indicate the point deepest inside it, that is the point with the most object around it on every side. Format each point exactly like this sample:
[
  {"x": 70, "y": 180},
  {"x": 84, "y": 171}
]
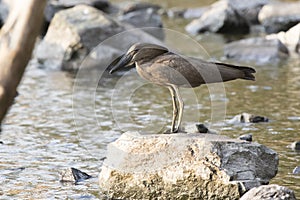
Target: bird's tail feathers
[{"x": 248, "y": 71}]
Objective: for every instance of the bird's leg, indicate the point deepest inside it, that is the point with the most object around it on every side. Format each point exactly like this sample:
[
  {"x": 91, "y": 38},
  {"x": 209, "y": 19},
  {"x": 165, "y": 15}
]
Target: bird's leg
[
  {"x": 181, "y": 106},
  {"x": 175, "y": 110}
]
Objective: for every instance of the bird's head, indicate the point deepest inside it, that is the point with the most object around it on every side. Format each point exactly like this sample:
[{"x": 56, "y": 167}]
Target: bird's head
[{"x": 137, "y": 52}]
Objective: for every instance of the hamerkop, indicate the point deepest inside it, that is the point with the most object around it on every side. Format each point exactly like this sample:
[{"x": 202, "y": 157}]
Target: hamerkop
[{"x": 160, "y": 66}]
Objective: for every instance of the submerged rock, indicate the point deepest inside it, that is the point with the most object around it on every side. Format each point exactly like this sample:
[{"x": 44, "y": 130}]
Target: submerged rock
[
  {"x": 259, "y": 50},
  {"x": 183, "y": 166},
  {"x": 247, "y": 118},
  {"x": 274, "y": 192},
  {"x": 279, "y": 16},
  {"x": 221, "y": 17}
]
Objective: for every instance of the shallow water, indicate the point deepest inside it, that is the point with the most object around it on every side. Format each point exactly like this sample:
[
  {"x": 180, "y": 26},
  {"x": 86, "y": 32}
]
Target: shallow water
[{"x": 53, "y": 126}]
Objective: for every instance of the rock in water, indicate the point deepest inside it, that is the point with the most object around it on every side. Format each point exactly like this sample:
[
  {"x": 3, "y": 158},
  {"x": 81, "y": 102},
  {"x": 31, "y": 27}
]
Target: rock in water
[
  {"x": 272, "y": 192},
  {"x": 184, "y": 166},
  {"x": 145, "y": 18},
  {"x": 247, "y": 118},
  {"x": 246, "y": 137},
  {"x": 76, "y": 32},
  {"x": 296, "y": 170},
  {"x": 259, "y": 50},
  {"x": 295, "y": 146},
  {"x": 289, "y": 38},
  {"x": 220, "y": 18},
  {"x": 279, "y": 16},
  {"x": 72, "y": 34},
  {"x": 73, "y": 175}
]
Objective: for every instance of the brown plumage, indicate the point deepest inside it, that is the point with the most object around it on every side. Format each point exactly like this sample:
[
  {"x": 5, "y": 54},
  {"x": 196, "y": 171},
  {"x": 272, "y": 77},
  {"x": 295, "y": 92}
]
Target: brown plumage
[{"x": 160, "y": 66}]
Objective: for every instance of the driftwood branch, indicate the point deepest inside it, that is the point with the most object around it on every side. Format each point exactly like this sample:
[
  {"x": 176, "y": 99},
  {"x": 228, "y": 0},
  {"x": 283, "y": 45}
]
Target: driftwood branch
[{"x": 17, "y": 39}]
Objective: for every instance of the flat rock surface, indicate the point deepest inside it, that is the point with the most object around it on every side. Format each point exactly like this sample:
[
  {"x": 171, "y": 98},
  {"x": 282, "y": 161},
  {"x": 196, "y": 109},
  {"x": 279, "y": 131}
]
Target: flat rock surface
[{"x": 176, "y": 166}]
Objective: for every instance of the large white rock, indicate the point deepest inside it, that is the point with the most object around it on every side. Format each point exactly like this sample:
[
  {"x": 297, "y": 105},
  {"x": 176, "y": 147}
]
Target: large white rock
[{"x": 184, "y": 166}]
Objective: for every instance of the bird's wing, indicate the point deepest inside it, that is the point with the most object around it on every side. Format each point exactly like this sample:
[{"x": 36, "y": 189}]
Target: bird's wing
[
  {"x": 185, "y": 71},
  {"x": 171, "y": 68}
]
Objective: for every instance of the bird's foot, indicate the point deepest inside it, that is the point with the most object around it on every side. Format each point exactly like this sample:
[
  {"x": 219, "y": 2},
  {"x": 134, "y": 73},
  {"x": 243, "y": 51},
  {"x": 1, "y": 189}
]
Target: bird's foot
[{"x": 169, "y": 131}]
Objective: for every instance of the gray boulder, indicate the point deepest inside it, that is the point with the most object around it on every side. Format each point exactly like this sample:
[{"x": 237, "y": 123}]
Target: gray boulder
[
  {"x": 269, "y": 192},
  {"x": 221, "y": 17},
  {"x": 184, "y": 166},
  {"x": 279, "y": 16},
  {"x": 258, "y": 50},
  {"x": 76, "y": 32},
  {"x": 72, "y": 34},
  {"x": 53, "y": 6},
  {"x": 145, "y": 18},
  {"x": 248, "y": 9},
  {"x": 131, "y": 6}
]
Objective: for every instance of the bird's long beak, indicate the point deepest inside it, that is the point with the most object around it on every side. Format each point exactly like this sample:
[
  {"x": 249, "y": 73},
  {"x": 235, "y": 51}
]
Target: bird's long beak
[{"x": 120, "y": 62}]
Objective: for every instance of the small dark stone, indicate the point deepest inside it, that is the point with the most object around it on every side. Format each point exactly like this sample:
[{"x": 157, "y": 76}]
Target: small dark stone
[
  {"x": 79, "y": 175},
  {"x": 247, "y": 118},
  {"x": 296, "y": 170},
  {"x": 53, "y": 6},
  {"x": 202, "y": 128},
  {"x": 246, "y": 137},
  {"x": 257, "y": 119},
  {"x": 73, "y": 175}
]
